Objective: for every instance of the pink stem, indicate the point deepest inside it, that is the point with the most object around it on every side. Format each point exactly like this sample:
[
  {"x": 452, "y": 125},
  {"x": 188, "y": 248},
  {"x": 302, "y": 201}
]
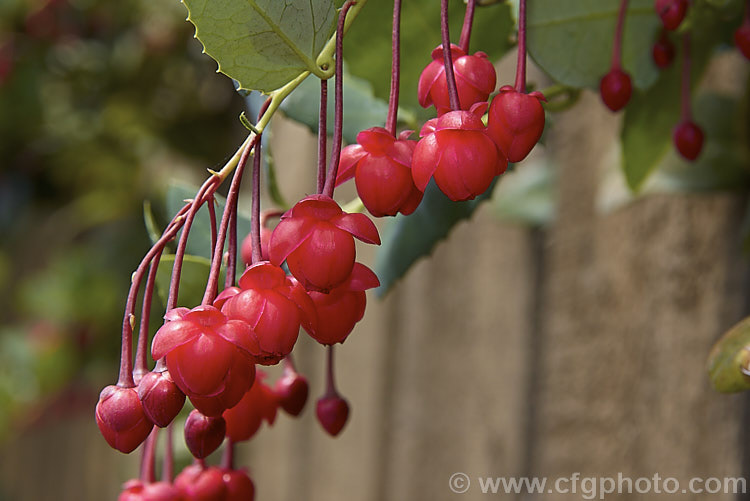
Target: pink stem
[
  {"x": 338, "y": 116},
  {"x": 617, "y": 45},
  {"x": 255, "y": 222},
  {"x": 330, "y": 378},
  {"x": 450, "y": 77},
  {"x": 322, "y": 135},
  {"x": 466, "y": 29},
  {"x": 227, "y": 461},
  {"x": 685, "y": 79},
  {"x": 392, "y": 117},
  {"x": 148, "y": 460},
  {"x": 167, "y": 473},
  {"x": 141, "y": 360},
  {"x": 521, "y": 62}
]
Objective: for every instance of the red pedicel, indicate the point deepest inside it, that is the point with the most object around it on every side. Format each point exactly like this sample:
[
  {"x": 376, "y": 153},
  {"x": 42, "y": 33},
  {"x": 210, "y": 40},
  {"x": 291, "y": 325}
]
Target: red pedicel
[
  {"x": 475, "y": 80},
  {"x": 274, "y": 305},
  {"x": 381, "y": 167},
  {"x": 671, "y": 12},
  {"x": 616, "y": 88},
  {"x": 457, "y": 151},
  {"x": 161, "y": 398},
  {"x": 332, "y": 412},
  {"x": 516, "y": 122},
  {"x": 316, "y": 238},
  {"x": 259, "y": 403},
  {"x": 339, "y": 310},
  {"x": 209, "y": 356},
  {"x": 688, "y": 139},
  {"x": 121, "y": 420}
]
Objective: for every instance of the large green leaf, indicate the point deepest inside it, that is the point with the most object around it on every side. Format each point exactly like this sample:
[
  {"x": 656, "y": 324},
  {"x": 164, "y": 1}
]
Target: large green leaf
[
  {"x": 263, "y": 44},
  {"x": 572, "y": 39},
  {"x": 368, "y": 45},
  {"x": 199, "y": 241},
  {"x": 407, "y": 238},
  {"x": 362, "y": 109},
  {"x": 650, "y": 117}
]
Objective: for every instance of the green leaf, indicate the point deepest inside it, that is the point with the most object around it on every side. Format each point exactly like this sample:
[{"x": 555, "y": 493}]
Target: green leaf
[
  {"x": 727, "y": 357},
  {"x": 651, "y": 117},
  {"x": 407, "y": 238},
  {"x": 362, "y": 109},
  {"x": 572, "y": 40},
  {"x": 193, "y": 278},
  {"x": 263, "y": 44},
  {"x": 367, "y": 46},
  {"x": 199, "y": 241},
  {"x": 152, "y": 228}
]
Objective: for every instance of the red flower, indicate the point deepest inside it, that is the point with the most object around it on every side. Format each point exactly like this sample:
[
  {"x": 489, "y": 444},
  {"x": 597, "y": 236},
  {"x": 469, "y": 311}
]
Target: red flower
[
  {"x": 475, "y": 80},
  {"x": 516, "y": 122},
  {"x": 121, "y": 420},
  {"x": 343, "y": 307},
  {"x": 456, "y": 150},
  {"x": 208, "y": 355},
  {"x": 291, "y": 391},
  {"x": 273, "y": 305},
  {"x": 381, "y": 167},
  {"x": 203, "y": 434},
  {"x": 161, "y": 398},
  {"x": 259, "y": 403},
  {"x": 332, "y": 412},
  {"x": 316, "y": 238},
  {"x": 135, "y": 490},
  {"x": 239, "y": 486},
  {"x": 202, "y": 484}
]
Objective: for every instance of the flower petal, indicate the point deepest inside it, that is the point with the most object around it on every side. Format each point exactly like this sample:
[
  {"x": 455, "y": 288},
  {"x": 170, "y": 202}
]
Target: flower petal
[{"x": 358, "y": 225}]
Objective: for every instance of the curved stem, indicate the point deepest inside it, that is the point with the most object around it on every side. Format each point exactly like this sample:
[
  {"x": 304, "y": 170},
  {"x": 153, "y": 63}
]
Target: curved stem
[
  {"x": 255, "y": 230},
  {"x": 338, "y": 116},
  {"x": 450, "y": 77},
  {"x": 141, "y": 357},
  {"x": 617, "y": 45},
  {"x": 231, "y": 249},
  {"x": 466, "y": 29},
  {"x": 685, "y": 111},
  {"x": 234, "y": 188},
  {"x": 521, "y": 62},
  {"x": 322, "y": 135},
  {"x": 392, "y": 117},
  {"x": 174, "y": 285}
]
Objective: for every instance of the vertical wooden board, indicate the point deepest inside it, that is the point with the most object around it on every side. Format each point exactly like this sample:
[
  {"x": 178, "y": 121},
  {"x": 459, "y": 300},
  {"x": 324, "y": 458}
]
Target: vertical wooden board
[
  {"x": 457, "y": 364},
  {"x": 632, "y": 303}
]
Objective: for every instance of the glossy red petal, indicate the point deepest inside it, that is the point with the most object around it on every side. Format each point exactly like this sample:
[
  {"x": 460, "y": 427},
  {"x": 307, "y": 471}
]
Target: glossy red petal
[
  {"x": 172, "y": 335},
  {"x": 288, "y": 235},
  {"x": 358, "y": 225}
]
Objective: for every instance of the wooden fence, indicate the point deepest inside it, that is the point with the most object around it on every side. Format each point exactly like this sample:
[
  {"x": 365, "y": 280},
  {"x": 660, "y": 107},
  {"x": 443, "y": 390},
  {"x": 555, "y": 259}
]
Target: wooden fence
[{"x": 579, "y": 348}]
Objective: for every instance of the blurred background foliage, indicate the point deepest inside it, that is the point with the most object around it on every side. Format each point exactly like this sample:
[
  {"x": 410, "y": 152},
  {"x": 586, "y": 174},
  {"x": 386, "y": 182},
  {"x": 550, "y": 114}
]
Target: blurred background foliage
[{"x": 100, "y": 103}]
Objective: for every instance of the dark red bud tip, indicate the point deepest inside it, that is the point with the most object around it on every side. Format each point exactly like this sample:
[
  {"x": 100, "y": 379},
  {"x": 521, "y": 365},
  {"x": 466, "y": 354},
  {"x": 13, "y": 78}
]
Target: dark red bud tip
[
  {"x": 615, "y": 89},
  {"x": 162, "y": 400},
  {"x": 688, "y": 139},
  {"x": 663, "y": 52},
  {"x": 121, "y": 420},
  {"x": 671, "y": 12},
  {"x": 742, "y": 39},
  {"x": 204, "y": 434},
  {"x": 292, "y": 390},
  {"x": 332, "y": 413},
  {"x": 199, "y": 484}
]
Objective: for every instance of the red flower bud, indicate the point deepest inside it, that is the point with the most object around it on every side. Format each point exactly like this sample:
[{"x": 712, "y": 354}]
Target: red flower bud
[
  {"x": 200, "y": 484},
  {"x": 615, "y": 89},
  {"x": 332, "y": 412},
  {"x": 516, "y": 122},
  {"x": 688, "y": 139},
  {"x": 671, "y": 12},
  {"x": 475, "y": 80},
  {"x": 381, "y": 167},
  {"x": 259, "y": 403},
  {"x": 203, "y": 434},
  {"x": 162, "y": 400},
  {"x": 121, "y": 420}
]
